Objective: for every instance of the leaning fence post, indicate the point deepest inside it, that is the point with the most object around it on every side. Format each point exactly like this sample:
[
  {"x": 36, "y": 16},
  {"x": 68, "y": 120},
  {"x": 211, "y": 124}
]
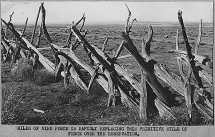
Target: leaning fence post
[
  {"x": 35, "y": 25},
  {"x": 23, "y": 32},
  {"x": 39, "y": 36}
]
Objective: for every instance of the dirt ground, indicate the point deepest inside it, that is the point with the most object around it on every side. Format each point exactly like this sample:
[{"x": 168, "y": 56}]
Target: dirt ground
[{"x": 73, "y": 106}]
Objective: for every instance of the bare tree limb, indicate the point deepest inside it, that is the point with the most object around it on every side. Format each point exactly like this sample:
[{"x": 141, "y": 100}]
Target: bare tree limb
[
  {"x": 83, "y": 18},
  {"x": 129, "y": 29},
  {"x": 119, "y": 50},
  {"x": 35, "y": 25},
  {"x": 104, "y": 44},
  {"x": 176, "y": 40},
  {"x": 11, "y": 17},
  {"x": 148, "y": 41},
  {"x": 39, "y": 35},
  {"x": 199, "y": 37},
  {"x": 23, "y": 32},
  {"x": 127, "y": 21}
]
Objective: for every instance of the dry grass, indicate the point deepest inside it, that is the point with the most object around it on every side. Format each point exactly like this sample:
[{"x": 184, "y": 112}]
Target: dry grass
[
  {"x": 23, "y": 71},
  {"x": 30, "y": 89}
]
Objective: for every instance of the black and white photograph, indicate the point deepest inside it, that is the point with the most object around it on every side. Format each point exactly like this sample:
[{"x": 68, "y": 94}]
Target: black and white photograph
[{"x": 107, "y": 68}]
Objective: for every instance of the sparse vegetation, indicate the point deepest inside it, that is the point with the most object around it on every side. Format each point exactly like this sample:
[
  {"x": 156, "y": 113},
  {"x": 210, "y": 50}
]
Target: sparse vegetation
[{"x": 28, "y": 88}]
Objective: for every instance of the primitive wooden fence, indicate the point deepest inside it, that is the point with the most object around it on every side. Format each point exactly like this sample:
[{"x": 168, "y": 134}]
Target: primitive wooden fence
[{"x": 111, "y": 75}]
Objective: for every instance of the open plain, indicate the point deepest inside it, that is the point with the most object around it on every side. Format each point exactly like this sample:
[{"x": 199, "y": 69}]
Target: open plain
[{"x": 73, "y": 106}]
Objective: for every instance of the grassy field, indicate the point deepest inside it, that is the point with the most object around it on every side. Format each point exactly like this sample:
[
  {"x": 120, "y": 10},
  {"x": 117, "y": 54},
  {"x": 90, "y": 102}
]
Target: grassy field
[{"x": 28, "y": 90}]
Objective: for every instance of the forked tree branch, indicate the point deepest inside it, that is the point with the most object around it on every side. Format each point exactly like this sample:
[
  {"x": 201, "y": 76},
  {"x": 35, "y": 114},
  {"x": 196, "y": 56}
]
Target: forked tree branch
[
  {"x": 83, "y": 18},
  {"x": 129, "y": 29},
  {"x": 127, "y": 21}
]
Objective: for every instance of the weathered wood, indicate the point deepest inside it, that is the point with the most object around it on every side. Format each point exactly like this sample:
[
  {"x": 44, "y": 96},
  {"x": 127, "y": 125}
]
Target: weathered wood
[
  {"x": 127, "y": 21},
  {"x": 204, "y": 74},
  {"x": 187, "y": 85},
  {"x": 189, "y": 53},
  {"x": 162, "y": 73},
  {"x": 119, "y": 50},
  {"x": 39, "y": 36},
  {"x": 201, "y": 69},
  {"x": 124, "y": 56},
  {"x": 26, "y": 22},
  {"x": 190, "y": 57},
  {"x": 143, "y": 98},
  {"x": 93, "y": 77},
  {"x": 126, "y": 99},
  {"x": 11, "y": 16},
  {"x": 8, "y": 49},
  {"x": 35, "y": 25},
  {"x": 151, "y": 79},
  {"x": 104, "y": 45},
  {"x": 17, "y": 50},
  {"x": 143, "y": 95},
  {"x": 164, "y": 111},
  {"x": 128, "y": 76},
  {"x": 199, "y": 37},
  {"x": 79, "y": 81},
  {"x": 114, "y": 75},
  {"x": 45, "y": 48},
  {"x": 100, "y": 79},
  {"x": 17, "y": 35},
  {"x": 177, "y": 40},
  {"x": 111, "y": 88},
  {"x": 201, "y": 59},
  {"x": 148, "y": 42},
  {"x": 203, "y": 105},
  {"x": 44, "y": 61},
  {"x": 69, "y": 66},
  {"x": 100, "y": 59}
]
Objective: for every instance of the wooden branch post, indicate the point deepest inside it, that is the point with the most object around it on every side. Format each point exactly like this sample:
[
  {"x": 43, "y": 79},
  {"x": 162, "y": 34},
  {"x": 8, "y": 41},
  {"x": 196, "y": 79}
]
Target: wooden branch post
[
  {"x": 207, "y": 105},
  {"x": 186, "y": 83},
  {"x": 150, "y": 78},
  {"x": 114, "y": 75},
  {"x": 189, "y": 54},
  {"x": 143, "y": 95},
  {"x": 176, "y": 40},
  {"x": 26, "y": 22},
  {"x": 100, "y": 79},
  {"x": 161, "y": 72},
  {"x": 35, "y": 25},
  {"x": 39, "y": 36},
  {"x": 199, "y": 37}
]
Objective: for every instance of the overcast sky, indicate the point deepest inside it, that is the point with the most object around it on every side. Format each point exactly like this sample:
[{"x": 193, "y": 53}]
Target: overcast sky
[{"x": 107, "y": 11}]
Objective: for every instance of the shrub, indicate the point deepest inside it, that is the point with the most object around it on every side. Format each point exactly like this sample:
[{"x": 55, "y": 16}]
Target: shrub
[
  {"x": 43, "y": 77},
  {"x": 23, "y": 70}
]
